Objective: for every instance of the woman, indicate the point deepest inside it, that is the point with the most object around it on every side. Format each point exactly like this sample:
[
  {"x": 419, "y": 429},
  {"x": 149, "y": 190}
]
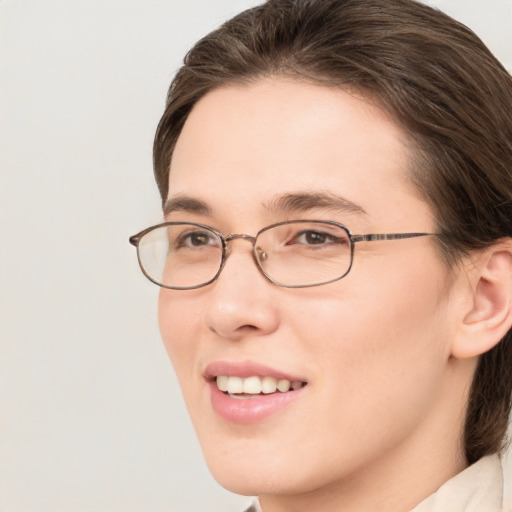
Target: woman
[{"x": 336, "y": 259}]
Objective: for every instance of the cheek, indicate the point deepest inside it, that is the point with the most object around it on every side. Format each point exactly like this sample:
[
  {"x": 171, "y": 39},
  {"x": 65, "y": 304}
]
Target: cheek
[
  {"x": 178, "y": 321},
  {"x": 382, "y": 345}
]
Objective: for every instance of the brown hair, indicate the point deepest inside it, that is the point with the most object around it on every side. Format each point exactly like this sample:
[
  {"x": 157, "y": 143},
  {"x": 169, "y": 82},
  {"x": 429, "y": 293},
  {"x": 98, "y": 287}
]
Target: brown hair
[{"x": 437, "y": 80}]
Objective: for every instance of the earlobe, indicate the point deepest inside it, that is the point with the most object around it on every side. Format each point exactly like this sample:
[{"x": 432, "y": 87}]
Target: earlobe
[{"x": 490, "y": 313}]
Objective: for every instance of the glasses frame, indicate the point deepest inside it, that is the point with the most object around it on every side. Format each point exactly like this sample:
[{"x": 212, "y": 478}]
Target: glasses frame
[{"x": 226, "y": 248}]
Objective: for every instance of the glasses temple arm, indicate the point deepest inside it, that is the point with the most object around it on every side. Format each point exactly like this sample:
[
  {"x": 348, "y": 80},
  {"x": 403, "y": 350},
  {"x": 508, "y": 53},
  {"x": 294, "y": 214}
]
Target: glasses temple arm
[{"x": 388, "y": 236}]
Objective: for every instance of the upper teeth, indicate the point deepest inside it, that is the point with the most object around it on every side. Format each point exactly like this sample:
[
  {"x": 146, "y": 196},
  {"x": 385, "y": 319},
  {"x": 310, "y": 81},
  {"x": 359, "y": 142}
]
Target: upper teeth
[{"x": 255, "y": 385}]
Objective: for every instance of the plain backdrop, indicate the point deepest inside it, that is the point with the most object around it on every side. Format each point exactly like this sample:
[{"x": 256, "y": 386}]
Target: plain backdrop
[{"x": 91, "y": 416}]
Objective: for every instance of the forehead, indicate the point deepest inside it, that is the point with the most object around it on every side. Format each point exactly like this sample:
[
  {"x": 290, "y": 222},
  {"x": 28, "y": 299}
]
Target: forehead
[{"x": 248, "y": 144}]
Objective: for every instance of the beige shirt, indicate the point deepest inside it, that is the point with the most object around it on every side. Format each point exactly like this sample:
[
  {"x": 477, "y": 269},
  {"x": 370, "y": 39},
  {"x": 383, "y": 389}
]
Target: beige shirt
[{"x": 479, "y": 488}]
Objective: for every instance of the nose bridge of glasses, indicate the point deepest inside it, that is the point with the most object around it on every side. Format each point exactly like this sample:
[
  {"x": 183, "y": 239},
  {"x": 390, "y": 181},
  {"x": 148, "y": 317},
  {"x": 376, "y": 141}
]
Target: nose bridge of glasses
[
  {"x": 249, "y": 238},
  {"x": 258, "y": 253}
]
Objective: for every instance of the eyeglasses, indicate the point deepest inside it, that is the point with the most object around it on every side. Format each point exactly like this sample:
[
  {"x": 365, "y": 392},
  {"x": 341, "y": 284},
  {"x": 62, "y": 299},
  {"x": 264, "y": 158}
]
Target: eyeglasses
[{"x": 293, "y": 254}]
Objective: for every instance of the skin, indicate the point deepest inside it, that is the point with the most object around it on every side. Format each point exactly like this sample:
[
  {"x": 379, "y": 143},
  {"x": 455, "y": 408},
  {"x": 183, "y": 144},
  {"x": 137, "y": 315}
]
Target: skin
[{"x": 378, "y": 425}]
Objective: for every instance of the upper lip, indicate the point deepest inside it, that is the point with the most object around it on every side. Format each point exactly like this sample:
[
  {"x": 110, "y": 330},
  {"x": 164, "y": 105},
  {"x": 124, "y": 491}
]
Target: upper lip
[{"x": 246, "y": 369}]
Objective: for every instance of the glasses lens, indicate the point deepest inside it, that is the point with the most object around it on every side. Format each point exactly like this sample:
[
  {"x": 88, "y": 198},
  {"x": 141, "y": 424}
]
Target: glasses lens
[
  {"x": 180, "y": 255},
  {"x": 304, "y": 253}
]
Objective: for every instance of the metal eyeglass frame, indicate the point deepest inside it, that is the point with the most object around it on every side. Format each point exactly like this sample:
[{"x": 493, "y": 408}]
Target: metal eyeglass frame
[{"x": 353, "y": 239}]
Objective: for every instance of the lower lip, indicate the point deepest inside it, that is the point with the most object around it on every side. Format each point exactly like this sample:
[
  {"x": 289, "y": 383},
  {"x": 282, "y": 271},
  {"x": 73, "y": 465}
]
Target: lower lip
[{"x": 250, "y": 410}]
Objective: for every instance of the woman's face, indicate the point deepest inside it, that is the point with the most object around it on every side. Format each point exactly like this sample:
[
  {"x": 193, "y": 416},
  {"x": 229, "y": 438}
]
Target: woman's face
[{"x": 370, "y": 351}]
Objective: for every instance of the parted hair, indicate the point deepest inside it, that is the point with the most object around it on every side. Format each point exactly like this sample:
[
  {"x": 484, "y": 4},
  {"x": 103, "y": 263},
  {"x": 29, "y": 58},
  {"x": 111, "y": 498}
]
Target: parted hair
[{"x": 439, "y": 83}]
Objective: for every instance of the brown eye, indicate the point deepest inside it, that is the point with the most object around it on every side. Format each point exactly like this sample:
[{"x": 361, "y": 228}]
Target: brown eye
[
  {"x": 311, "y": 237},
  {"x": 195, "y": 239},
  {"x": 199, "y": 239}
]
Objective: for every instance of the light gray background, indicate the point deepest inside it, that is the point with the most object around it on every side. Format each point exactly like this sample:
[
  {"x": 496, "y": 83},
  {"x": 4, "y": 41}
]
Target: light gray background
[{"x": 91, "y": 416}]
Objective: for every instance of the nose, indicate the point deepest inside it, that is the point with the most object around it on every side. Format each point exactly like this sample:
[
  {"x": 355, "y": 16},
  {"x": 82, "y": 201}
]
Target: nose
[{"x": 241, "y": 301}]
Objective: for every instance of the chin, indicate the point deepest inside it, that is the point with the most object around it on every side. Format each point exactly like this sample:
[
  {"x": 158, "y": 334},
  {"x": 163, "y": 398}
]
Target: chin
[
  {"x": 257, "y": 481},
  {"x": 253, "y": 468}
]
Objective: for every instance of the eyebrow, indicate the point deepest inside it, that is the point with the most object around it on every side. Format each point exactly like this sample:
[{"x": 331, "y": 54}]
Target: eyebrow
[
  {"x": 292, "y": 202},
  {"x": 186, "y": 204},
  {"x": 304, "y": 201}
]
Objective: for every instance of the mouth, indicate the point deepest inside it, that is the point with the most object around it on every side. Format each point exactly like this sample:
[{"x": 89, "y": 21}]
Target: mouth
[
  {"x": 254, "y": 386},
  {"x": 248, "y": 392}
]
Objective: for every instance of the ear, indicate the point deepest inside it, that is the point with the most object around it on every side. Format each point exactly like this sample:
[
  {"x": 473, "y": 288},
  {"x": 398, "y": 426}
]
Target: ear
[{"x": 488, "y": 314}]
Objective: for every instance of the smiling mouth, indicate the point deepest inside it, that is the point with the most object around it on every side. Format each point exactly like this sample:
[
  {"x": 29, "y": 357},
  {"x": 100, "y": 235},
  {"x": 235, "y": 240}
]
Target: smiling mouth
[{"x": 251, "y": 387}]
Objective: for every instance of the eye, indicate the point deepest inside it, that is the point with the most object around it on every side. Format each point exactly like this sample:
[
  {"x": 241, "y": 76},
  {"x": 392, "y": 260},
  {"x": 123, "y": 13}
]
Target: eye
[
  {"x": 195, "y": 239},
  {"x": 311, "y": 237}
]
